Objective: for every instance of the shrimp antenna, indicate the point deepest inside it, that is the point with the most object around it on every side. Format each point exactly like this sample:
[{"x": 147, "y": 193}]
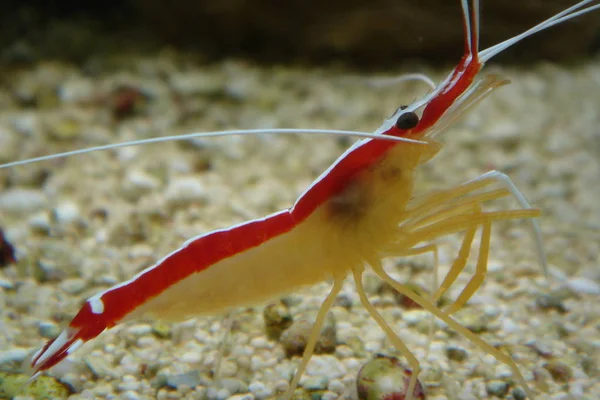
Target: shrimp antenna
[
  {"x": 571, "y": 12},
  {"x": 196, "y": 135},
  {"x": 385, "y": 81}
]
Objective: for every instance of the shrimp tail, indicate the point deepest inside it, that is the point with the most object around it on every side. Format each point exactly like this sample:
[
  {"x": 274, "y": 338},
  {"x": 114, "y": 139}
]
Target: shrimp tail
[{"x": 84, "y": 327}]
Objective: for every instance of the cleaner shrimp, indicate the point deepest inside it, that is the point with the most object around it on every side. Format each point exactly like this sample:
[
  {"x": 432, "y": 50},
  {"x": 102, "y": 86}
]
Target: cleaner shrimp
[{"x": 359, "y": 211}]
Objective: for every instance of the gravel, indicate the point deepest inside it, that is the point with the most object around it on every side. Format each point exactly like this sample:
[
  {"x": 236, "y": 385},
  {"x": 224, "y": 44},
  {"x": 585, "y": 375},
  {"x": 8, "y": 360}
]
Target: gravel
[{"x": 134, "y": 207}]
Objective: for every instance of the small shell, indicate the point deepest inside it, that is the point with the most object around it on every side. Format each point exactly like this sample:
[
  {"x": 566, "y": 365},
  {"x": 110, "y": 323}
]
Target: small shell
[
  {"x": 384, "y": 378},
  {"x": 277, "y": 319},
  {"x": 294, "y": 338}
]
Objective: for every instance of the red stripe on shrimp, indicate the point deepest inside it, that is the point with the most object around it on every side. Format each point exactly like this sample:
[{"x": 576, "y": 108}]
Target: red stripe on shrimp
[
  {"x": 107, "y": 308},
  {"x": 340, "y": 175},
  {"x": 195, "y": 256}
]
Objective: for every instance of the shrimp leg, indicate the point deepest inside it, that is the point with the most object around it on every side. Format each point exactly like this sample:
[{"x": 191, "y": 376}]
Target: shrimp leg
[
  {"x": 458, "y": 265},
  {"x": 460, "y": 262},
  {"x": 428, "y": 248},
  {"x": 480, "y": 271},
  {"x": 314, "y": 334},
  {"x": 452, "y": 196},
  {"x": 392, "y": 337},
  {"x": 535, "y": 231},
  {"x": 433, "y": 248},
  {"x": 463, "y": 254},
  {"x": 480, "y": 182},
  {"x": 472, "y": 337}
]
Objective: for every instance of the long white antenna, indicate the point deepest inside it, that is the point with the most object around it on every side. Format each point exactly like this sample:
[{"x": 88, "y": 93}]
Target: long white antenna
[
  {"x": 381, "y": 82},
  {"x": 466, "y": 21},
  {"x": 476, "y": 24},
  {"x": 282, "y": 131},
  {"x": 561, "y": 17}
]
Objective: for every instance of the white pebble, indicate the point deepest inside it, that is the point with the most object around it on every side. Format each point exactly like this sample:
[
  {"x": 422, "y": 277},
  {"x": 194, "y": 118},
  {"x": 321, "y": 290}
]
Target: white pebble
[
  {"x": 413, "y": 317},
  {"x": 247, "y": 396},
  {"x": 182, "y": 191},
  {"x": 228, "y": 368},
  {"x": 22, "y": 200},
  {"x": 233, "y": 385},
  {"x": 260, "y": 390},
  {"x": 129, "y": 382},
  {"x": 282, "y": 385},
  {"x": 223, "y": 394},
  {"x": 583, "y": 285},
  {"x": 14, "y": 355},
  {"x": 260, "y": 343},
  {"x": 372, "y": 346},
  {"x": 351, "y": 364},
  {"x": 126, "y": 154},
  {"x": 191, "y": 357},
  {"x": 40, "y": 221},
  {"x": 326, "y": 365},
  {"x": 257, "y": 363},
  {"x": 130, "y": 395},
  {"x": 211, "y": 393},
  {"x": 4, "y": 284},
  {"x": 139, "y": 329},
  {"x": 130, "y": 363},
  {"x": 138, "y": 182},
  {"x": 329, "y": 396},
  {"x": 66, "y": 213},
  {"x": 76, "y": 90},
  {"x": 337, "y": 386},
  {"x": 491, "y": 311},
  {"x": 73, "y": 285},
  {"x": 195, "y": 83},
  {"x": 504, "y": 129},
  {"x": 344, "y": 351},
  {"x": 509, "y": 326},
  {"x": 26, "y": 123}
]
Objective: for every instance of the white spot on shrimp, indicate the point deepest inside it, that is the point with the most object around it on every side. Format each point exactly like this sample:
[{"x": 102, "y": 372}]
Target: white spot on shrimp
[{"x": 96, "y": 305}]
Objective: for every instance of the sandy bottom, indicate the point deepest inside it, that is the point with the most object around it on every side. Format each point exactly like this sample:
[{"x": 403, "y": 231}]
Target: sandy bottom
[{"x": 88, "y": 222}]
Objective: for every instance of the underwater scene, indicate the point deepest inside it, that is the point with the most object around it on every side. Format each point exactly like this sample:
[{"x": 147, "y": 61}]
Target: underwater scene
[{"x": 426, "y": 228}]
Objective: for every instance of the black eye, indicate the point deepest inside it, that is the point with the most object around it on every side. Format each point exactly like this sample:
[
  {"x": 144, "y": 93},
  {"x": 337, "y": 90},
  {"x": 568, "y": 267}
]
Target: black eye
[{"x": 408, "y": 120}]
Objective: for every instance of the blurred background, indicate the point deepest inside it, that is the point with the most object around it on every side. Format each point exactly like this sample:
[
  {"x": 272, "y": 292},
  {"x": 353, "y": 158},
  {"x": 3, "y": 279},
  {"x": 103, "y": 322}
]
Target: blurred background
[{"x": 377, "y": 34}]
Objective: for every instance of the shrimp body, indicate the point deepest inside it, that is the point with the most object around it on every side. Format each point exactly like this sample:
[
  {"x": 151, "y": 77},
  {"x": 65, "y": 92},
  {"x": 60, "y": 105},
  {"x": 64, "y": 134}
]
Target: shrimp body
[
  {"x": 345, "y": 218},
  {"x": 359, "y": 211}
]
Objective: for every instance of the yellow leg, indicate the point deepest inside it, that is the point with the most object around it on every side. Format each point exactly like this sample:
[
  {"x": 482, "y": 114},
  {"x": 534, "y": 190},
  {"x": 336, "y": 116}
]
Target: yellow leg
[
  {"x": 314, "y": 335},
  {"x": 392, "y": 337},
  {"x": 429, "y": 306},
  {"x": 413, "y": 251},
  {"x": 457, "y": 266},
  {"x": 433, "y": 248},
  {"x": 459, "y": 206},
  {"x": 480, "y": 271},
  {"x": 460, "y": 223},
  {"x": 460, "y": 262},
  {"x": 426, "y": 203},
  {"x": 469, "y": 222}
]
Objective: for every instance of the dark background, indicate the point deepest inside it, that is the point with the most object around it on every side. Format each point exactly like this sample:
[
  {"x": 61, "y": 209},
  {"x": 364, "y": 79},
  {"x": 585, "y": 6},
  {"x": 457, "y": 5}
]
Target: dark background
[{"x": 374, "y": 34}]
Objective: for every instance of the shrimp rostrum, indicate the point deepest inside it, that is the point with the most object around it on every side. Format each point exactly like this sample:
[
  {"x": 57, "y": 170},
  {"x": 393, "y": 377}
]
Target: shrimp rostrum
[{"x": 358, "y": 212}]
